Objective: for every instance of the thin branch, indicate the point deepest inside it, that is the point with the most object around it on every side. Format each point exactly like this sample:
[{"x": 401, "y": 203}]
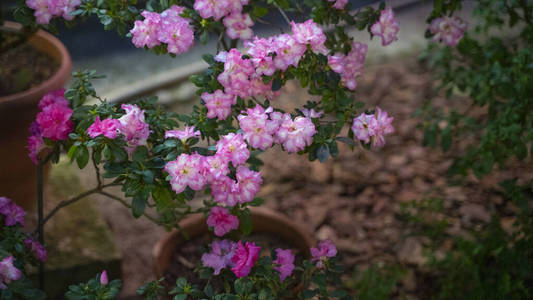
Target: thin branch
[
  {"x": 284, "y": 15},
  {"x": 98, "y": 180},
  {"x": 126, "y": 204}
]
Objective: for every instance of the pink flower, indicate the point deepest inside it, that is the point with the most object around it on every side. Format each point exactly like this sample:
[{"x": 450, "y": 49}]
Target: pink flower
[
  {"x": 108, "y": 128},
  {"x": 249, "y": 183},
  {"x": 284, "y": 263},
  {"x": 349, "y": 66},
  {"x": 103, "y": 278},
  {"x": 258, "y": 88},
  {"x": 309, "y": 33},
  {"x": 145, "y": 33},
  {"x": 35, "y": 145},
  {"x": 386, "y": 27},
  {"x": 220, "y": 255},
  {"x": 233, "y": 147},
  {"x": 13, "y": 214},
  {"x": 339, "y": 4},
  {"x": 218, "y": 104},
  {"x": 225, "y": 191},
  {"x": 218, "y": 8},
  {"x": 54, "y": 122},
  {"x": 46, "y": 9},
  {"x": 216, "y": 166},
  {"x": 42, "y": 13},
  {"x": 133, "y": 126},
  {"x": 54, "y": 97},
  {"x": 183, "y": 135},
  {"x": 236, "y": 76},
  {"x": 295, "y": 134},
  {"x": 257, "y": 128},
  {"x": 325, "y": 250},
  {"x": 244, "y": 258},
  {"x": 4, "y": 201},
  {"x": 311, "y": 113},
  {"x": 8, "y": 272},
  {"x": 222, "y": 221},
  {"x": 449, "y": 30},
  {"x": 288, "y": 51},
  {"x": 38, "y": 250},
  {"x": 238, "y": 26},
  {"x": 259, "y": 50},
  {"x": 384, "y": 127},
  {"x": 175, "y": 31},
  {"x": 364, "y": 127},
  {"x": 186, "y": 170},
  {"x": 375, "y": 127}
]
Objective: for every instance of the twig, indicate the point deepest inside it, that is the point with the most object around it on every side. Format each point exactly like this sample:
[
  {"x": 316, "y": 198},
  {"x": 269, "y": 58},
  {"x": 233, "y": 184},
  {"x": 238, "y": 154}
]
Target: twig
[
  {"x": 126, "y": 204},
  {"x": 98, "y": 180},
  {"x": 284, "y": 15},
  {"x": 40, "y": 224}
]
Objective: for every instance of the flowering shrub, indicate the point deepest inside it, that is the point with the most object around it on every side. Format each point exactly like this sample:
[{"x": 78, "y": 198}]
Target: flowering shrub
[{"x": 141, "y": 147}]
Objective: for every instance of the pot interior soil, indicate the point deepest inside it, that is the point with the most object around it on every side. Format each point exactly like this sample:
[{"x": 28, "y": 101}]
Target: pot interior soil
[
  {"x": 23, "y": 67},
  {"x": 189, "y": 256}
]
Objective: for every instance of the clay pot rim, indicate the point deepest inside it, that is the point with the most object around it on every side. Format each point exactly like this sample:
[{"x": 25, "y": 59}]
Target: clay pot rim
[
  {"x": 196, "y": 220},
  {"x": 64, "y": 67}
]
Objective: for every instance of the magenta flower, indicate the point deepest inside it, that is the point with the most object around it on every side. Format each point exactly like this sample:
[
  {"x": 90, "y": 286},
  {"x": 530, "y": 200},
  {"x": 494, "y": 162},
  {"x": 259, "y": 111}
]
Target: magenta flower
[
  {"x": 386, "y": 27},
  {"x": 13, "y": 214},
  {"x": 175, "y": 31},
  {"x": 295, "y": 134},
  {"x": 38, "y": 250},
  {"x": 54, "y": 121},
  {"x": 221, "y": 220},
  {"x": 218, "y": 104},
  {"x": 183, "y": 135},
  {"x": 257, "y": 129},
  {"x": 233, "y": 147},
  {"x": 448, "y": 30},
  {"x": 325, "y": 250},
  {"x": 54, "y": 97},
  {"x": 339, "y": 4},
  {"x": 145, "y": 32},
  {"x": 311, "y": 113},
  {"x": 108, "y": 128},
  {"x": 8, "y": 272},
  {"x": 186, "y": 170},
  {"x": 244, "y": 258},
  {"x": 349, "y": 66},
  {"x": 220, "y": 255},
  {"x": 103, "y": 278},
  {"x": 309, "y": 33},
  {"x": 284, "y": 263},
  {"x": 4, "y": 201},
  {"x": 35, "y": 145},
  {"x": 238, "y": 26},
  {"x": 133, "y": 126}
]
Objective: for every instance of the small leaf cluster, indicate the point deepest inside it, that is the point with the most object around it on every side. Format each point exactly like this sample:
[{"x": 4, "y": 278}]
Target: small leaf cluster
[{"x": 94, "y": 290}]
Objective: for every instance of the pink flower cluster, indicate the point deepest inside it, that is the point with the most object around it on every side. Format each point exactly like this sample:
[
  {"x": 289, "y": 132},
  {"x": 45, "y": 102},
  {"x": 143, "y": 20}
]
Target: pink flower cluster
[
  {"x": 218, "y": 104},
  {"x": 222, "y": 221},
  {"x": 183, "y": 135},
  {"x": 339, "y": 4},
  {"x": 449, "y": 30},
  {"x": 349, "y": 66},
  {"x": 386, "y": 27},
  {"x": 325, "y": 250},
  {"x": 12, "y": 213},
  {"x": 46, "y": 9},
  {"x": 52, "y": 122},
  {"x": 240, "y": 257},
  {"x": 131, "y": 125},
  {"x": 8, "y": 272},
  {"x": 168, "y": 27},
  {"x": 375, "y": 127},
  {"x": 262, "y": 128},
  {"x": 237, "y": 24},
  {"x": 38, "y": 250},
  {"x": 244, "y": 258}
]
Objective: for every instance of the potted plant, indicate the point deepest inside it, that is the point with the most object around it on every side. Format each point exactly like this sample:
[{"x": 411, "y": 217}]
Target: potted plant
[{"x": 34, "y": 62}]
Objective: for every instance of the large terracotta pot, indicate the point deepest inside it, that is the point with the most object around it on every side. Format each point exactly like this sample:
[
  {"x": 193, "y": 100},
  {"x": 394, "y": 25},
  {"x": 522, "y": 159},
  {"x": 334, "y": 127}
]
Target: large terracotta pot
[
  {"x": 263, "y": 220},
  {"x": 18, "y": 179}
]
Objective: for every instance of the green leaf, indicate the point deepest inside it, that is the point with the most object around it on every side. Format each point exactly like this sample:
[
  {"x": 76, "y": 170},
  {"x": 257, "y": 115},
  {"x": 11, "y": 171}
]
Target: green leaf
[
  {"x": 245, "y": 222},
  {"x": 138, "y": 205},
  {"x": 346, "y": 140},
  {"x": 256, "y": 202},
  {"x": 276, "y": 84},
  {"x": 82, "y": 157},
  {"x": 446, "y": 139},
  {"x": 322, "y": 153}
]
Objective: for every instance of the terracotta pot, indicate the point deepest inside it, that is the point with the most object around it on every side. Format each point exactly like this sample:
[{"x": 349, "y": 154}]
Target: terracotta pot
[
  {"x": 18, "y": 179},
  {"x": 264, "y": 221}
]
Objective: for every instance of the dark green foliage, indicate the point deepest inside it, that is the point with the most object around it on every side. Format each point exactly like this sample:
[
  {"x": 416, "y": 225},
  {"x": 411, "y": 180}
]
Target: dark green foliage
[
  {"x": 94, "y": 290},
  {"x": 376, "y": 283}
]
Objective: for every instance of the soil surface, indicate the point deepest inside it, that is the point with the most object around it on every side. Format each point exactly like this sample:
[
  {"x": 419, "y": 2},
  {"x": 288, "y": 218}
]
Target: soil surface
[
  {"x": 355, "y": 199},
  {"x": 24, "y": 67}
]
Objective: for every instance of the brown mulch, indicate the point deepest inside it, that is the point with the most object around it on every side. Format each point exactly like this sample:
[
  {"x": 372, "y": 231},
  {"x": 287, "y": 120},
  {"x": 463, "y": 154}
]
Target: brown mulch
[{"x": 355, "y": 198}]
